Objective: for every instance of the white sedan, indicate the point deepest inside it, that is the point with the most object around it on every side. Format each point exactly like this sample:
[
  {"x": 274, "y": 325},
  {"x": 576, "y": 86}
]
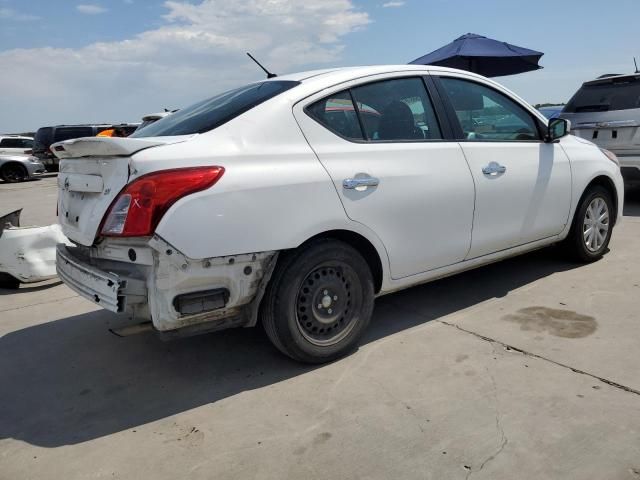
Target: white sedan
[{"x": 297, "y": 200}]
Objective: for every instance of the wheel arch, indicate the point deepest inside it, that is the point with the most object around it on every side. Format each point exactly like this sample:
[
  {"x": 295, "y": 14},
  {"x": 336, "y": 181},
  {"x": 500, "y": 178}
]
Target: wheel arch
[
  {"x": 362, "y": 245},
  {"x": 607, "y": 183},
  {"x": 11, "y": 163}
]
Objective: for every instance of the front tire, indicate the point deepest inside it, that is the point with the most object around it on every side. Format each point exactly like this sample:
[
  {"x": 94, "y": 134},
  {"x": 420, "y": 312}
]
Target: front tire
[
  {"x": 319, "y": 301},
  {"x": 592, "y": 226}
]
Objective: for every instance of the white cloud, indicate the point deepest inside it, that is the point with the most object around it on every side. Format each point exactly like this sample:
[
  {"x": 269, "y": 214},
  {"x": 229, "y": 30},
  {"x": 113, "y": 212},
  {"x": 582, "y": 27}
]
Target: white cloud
[
  {"x": 90, "y": 9},
  {"x": 393, "y": 4},
  {"x": 11, "y": 14},
  {"x": 199, "y": 51}
]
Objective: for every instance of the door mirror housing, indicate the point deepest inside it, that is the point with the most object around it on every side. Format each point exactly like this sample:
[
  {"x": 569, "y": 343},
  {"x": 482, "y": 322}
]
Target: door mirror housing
[{"x": 558, "y": 128}]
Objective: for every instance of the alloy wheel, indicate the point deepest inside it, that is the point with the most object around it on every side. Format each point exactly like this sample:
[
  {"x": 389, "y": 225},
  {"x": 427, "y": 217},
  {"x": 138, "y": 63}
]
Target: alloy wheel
[{"x": 595, "y": 226}]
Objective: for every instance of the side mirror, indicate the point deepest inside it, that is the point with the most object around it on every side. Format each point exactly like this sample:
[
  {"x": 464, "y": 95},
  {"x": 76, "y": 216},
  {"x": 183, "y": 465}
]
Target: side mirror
[{"x": 558, "y": 128}]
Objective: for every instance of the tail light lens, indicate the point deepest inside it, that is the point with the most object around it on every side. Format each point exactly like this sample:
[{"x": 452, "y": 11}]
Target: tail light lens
[{"x": 137, "y": 210}]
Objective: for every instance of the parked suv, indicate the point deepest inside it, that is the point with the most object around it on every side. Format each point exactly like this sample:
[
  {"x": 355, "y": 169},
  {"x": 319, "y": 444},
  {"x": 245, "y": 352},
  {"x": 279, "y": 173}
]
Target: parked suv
[
  {"x": 606, "y": 111},
  {"x": 45, "y": 136},
  {"x": 297, "y": 200},
  {"x": 15, "y": 145}
]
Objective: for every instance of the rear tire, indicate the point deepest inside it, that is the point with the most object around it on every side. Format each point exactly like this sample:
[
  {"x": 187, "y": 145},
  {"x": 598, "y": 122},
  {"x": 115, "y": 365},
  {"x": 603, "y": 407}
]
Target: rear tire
[
  {"x": 592, "y": 226},
  {"x": 13, "y": 173},
  {"x": 319, "y": 301}
]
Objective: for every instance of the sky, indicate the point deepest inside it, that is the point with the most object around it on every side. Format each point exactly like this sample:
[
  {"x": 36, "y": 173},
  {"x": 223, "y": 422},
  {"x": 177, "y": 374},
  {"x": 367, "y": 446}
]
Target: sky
[{"x": 83, "y": 61}]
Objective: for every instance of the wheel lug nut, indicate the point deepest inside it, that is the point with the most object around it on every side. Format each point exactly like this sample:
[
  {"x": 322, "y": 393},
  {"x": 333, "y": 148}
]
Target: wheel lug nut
[
  {"x": 320, "y": 305},
  {"x": 329, "y": 311},
  {"x": 335, "y": 297},
  {"x": 326, "y": 292}
]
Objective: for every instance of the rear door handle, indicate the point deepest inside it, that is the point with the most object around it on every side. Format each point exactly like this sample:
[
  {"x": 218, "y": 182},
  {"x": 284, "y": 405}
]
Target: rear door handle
[
  {"x": 352, "y": 183},
  {"x": 493, "y": 169}
]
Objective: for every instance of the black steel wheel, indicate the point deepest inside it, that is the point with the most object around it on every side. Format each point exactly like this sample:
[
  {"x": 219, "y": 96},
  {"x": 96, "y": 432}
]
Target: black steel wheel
[
  {"x": 14, "y": 172},
  {"x": 319, "y": 301}
]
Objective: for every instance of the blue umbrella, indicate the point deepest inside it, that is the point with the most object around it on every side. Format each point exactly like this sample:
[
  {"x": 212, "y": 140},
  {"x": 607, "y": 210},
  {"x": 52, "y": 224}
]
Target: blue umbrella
[{"x": 484, "y": 56}]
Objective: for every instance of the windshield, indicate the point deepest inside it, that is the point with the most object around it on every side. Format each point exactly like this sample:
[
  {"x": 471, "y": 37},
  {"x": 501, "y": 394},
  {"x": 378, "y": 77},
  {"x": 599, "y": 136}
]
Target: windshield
[
  {"x": 614, "y": 94},
  {"x": 213, "y": 112}
]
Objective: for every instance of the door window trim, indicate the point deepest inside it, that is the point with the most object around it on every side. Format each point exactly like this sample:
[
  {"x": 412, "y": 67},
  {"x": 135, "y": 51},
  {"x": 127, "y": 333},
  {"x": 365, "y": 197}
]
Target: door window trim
[
  {"x": 445, "y": 128},
  {"x": 458, "y": 134}
]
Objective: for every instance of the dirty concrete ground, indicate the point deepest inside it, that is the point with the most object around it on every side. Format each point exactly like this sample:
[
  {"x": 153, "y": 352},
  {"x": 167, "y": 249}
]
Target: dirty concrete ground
[{"x": 524, "y": 369}]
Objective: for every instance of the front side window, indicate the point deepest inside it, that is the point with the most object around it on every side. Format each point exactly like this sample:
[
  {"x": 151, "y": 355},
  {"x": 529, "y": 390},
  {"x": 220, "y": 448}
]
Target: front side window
[
  {"x": 213, "y": 112},
  {"x": 485, "y": 114},
  {"x": 397, "y": 110}
]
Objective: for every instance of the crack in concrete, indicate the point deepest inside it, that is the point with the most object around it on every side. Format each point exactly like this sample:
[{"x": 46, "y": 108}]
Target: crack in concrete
[
  {"x": 530, "y": 354},
  {"x": 38, "y": 303}
]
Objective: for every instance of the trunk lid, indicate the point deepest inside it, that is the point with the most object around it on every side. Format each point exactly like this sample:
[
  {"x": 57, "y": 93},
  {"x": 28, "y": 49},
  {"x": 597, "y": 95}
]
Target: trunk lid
[{"x": 93, "y": 171}]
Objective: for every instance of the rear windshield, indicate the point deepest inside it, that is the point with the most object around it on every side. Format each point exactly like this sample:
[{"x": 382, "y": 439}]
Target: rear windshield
[
  {"x": 67, "y": 133},
  {"x": 213, "y": 112},
  {"x": 615, "y": 94},
  {"x": 42, "y": 140}
]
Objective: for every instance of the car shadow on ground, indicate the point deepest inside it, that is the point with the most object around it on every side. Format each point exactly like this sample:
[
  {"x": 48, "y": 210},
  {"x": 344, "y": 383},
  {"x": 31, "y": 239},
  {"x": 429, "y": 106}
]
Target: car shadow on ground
[
  {"x": 71, "y": 380},
  {"x": 632, "y": 202}
]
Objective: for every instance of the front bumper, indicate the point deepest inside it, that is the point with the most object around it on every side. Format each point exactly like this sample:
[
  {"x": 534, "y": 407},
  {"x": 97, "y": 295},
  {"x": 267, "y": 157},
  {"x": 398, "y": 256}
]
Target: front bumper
[
  {"x": 103, "y": 288},
  {"x": 630, "y": 167},
  {"x": 35, "y": 168}
]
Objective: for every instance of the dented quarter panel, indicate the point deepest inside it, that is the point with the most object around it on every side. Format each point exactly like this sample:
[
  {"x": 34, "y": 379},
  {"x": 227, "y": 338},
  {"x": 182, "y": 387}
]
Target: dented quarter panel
[{"x": 175, "y": 274}]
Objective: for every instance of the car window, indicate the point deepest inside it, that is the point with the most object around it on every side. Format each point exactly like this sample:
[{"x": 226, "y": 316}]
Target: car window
[
  {"x": 338, "y": 114},
  {"x": 396, "y": 110},
  {"x": 15, "y": 143},
  {"x": 42, "y": 140},
  {"x": 213, "y": 112},
  {"x": 485, "y": 114},
  {"x": 607, "y": 94},
  {"x": 68, "y": 133}
]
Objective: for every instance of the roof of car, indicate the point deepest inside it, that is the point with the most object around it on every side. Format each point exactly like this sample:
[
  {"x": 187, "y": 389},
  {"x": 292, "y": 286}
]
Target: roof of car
[
  {"x": 361, "y": 71},
  {"x": 613, "y": 78}
]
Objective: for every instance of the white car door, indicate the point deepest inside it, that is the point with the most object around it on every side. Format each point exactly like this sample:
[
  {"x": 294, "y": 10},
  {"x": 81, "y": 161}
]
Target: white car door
[
  {"x": 392, "y": 169},
  {"x": 523, "y": 185}
]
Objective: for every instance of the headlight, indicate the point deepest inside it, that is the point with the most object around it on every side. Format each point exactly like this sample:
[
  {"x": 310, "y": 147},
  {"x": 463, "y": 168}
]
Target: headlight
[{"x": 611, "y": 156}]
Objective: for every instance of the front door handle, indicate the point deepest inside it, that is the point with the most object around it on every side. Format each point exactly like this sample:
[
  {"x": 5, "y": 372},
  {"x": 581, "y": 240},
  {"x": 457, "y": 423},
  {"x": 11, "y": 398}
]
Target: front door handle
[
  {"x": 352, "y": 183},
  {"x": 493, "y": 169}
]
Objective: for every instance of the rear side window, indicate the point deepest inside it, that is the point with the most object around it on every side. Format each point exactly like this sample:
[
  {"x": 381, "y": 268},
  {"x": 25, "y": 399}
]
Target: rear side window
[
  {"x": 612, "y": 94},
  {"x": 68, "y": 133},
  {"x": 338, "y": 114},
  {"x": 16, "y": 143},
  {"x": 213, "y": 112},
  {"x": 395, "y": 110}
]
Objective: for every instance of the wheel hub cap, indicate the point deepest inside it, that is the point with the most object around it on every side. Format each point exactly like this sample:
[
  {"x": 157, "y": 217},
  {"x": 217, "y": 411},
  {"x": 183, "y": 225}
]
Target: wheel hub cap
[{"x": 595, "y": 226}]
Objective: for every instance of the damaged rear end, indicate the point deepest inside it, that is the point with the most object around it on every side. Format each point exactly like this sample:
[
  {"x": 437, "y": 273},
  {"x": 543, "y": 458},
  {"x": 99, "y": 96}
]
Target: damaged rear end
[{"x": 110, "y": 212}]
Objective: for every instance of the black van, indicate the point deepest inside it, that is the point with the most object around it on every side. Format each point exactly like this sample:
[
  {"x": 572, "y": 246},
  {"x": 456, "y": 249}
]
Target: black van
[{"x": 45, "y": 136}]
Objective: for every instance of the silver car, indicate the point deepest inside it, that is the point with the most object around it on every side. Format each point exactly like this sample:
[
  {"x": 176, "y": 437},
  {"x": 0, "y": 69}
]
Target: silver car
[
  {"x": 606, "y": 111},
  {"x": 18, "y": 168}
]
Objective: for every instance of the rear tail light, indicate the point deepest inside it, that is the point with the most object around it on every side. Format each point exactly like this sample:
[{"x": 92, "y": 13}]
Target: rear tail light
[{"x": 137, "y": 210}]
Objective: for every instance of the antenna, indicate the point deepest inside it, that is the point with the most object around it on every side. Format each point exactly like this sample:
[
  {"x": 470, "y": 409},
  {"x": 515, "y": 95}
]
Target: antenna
[
  {"x": 636, "y": 64},
  {"x": 269, "y": 74}
]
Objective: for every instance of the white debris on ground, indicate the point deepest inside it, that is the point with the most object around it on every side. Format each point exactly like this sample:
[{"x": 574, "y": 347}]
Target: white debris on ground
[{"x": 27, "y": 254}]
